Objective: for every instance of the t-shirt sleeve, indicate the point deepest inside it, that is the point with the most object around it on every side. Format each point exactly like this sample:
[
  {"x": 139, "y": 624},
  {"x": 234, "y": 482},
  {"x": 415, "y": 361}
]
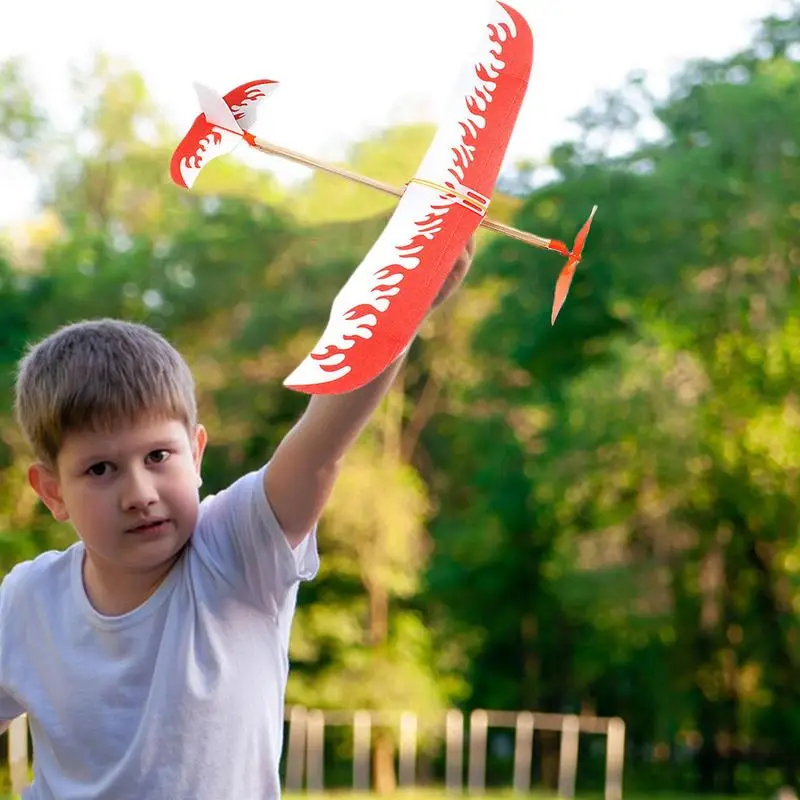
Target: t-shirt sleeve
[
  {"x": 9, "y": 707},
  {"x": 238, "y": 536}
]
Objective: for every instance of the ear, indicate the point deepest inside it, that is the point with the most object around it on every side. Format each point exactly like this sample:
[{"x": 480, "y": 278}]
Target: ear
[
  {"x": 45, "y": 483},
  {"x": 200, "y": 441}
]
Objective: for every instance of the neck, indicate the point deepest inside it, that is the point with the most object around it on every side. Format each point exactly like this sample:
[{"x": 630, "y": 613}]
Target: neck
[{"x": 116, "y": 592}]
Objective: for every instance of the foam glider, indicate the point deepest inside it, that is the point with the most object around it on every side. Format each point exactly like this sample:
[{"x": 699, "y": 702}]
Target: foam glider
[{"x": 376, "y": 314}]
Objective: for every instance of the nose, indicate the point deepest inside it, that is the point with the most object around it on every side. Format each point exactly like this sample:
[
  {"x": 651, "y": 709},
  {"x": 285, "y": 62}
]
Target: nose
[{"x": 139, "y": 490}]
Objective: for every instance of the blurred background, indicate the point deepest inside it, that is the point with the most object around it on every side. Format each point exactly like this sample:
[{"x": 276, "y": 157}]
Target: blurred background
[{"x": 596, "y": 519}]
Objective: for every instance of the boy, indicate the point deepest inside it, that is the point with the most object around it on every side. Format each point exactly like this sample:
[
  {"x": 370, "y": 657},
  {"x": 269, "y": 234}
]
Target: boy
[{"x": 152, "y": 655}]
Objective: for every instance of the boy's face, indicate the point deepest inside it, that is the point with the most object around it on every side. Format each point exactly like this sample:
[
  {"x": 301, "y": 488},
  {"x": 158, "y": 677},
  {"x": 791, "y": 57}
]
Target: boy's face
[{"x": 132, "y": 494}]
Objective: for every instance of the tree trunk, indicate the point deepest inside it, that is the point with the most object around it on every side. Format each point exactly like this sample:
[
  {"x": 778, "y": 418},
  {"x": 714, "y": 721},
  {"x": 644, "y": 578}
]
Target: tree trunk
[
  {"x": 779, "y": 621},
  {"x": 383, "y": 750},
  {"x": 385, "y": 780},
  {"x": 529, "y": 686},
  {"x": 711, "y": 584},
  {"x": 378, "y": 615}
]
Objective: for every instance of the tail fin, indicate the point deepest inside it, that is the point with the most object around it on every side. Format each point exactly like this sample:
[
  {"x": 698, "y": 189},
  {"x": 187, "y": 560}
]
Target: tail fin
[{"x": 216, "y": 109}]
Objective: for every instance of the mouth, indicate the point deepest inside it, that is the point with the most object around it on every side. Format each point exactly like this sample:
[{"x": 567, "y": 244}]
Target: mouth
[{"x": 156, "y": 525}]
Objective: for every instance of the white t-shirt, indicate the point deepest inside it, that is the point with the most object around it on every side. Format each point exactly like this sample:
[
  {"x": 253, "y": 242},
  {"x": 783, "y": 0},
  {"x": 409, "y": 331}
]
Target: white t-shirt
[{"x": 180, "y": 699}]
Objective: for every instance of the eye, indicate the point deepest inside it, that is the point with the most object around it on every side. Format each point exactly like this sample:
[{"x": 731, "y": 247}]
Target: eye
[
  {"x": 99, "y": 470},
  {"x": 158, "y": 456}
]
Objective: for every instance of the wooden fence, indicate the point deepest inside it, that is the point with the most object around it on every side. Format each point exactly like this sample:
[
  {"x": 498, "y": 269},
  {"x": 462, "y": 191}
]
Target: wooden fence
[{"x": 305, "y": 748}]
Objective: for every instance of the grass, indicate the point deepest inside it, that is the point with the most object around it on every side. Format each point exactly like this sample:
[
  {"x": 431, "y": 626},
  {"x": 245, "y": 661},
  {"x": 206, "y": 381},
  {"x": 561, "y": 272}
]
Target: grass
[
  {"x": 441, "y": 794},
  {"x": 434, "y": 794}
]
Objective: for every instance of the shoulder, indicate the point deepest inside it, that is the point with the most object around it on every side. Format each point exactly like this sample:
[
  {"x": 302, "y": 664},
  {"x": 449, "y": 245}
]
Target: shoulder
[
  {"x": 239, "y": 505},
  {"x": 43, "y": 574},
  {"x": 246, "y": 489},
  {"x": 239, "y": 539}
]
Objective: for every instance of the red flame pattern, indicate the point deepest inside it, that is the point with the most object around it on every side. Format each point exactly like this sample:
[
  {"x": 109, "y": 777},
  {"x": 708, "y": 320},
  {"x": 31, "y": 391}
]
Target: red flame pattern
[
  {"x": 205, "y": 142},
  {"x": 367, "y": 335}
]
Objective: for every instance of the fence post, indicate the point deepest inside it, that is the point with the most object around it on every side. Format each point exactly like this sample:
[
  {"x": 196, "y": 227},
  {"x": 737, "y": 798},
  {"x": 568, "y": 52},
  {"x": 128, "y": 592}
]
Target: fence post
[
  {"x": 296, "y": 748},
  {"x": 568, "y": 759},
  {"x": 454, "y": 736},
  {"x": 18, "y": 753},
  {"x": 523, "y": 752},
  {"x": 408, "y": 749},
  {"x": 615, "y": 757},
  {"x": 478, "y": 726},
  {"x": 315, "y": 751},
  {"x": 362, "y": 740}
]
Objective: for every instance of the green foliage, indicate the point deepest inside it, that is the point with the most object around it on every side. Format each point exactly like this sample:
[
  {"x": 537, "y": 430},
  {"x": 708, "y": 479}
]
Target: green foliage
[
  {"x": 600, "y": 515},
  {"x": 22, "y": 121},
  {"x": 391, "y": 157}
]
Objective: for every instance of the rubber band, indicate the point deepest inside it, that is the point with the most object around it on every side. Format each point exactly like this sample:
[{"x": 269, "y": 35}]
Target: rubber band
[{"x": 478, "y": 206}]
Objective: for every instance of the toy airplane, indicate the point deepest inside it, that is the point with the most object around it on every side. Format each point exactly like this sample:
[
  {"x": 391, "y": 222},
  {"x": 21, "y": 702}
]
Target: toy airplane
[{"x": 377, "y": 312}]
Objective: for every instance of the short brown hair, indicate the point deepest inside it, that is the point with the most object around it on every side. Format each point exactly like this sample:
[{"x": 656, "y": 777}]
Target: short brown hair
[{"x": 97, "y": 374}]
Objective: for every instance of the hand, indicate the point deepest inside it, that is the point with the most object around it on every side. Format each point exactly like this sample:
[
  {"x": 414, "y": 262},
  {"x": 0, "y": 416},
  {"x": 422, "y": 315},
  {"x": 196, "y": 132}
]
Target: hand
[{"x": 457, "y": 273}]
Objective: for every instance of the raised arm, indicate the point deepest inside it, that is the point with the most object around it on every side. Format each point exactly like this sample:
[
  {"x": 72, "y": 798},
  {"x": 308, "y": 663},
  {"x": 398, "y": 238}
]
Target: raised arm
[{"x": 305, "y": 465}]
